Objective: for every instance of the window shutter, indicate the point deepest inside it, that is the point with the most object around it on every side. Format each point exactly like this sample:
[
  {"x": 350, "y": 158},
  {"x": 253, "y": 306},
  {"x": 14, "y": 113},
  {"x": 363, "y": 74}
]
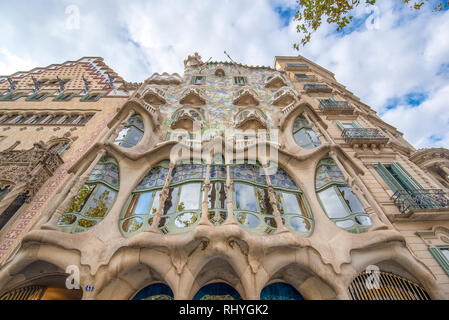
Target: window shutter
[
  {"x": 387, "y": 177},
  {"x": 405, "y": 177},
  {"x": 59, "y": 97},
  {"x": 86, "y": 96},
  {"x": 439, "y": 256},
  {"x": 356, "y": 124},
  {"x": 19, "y": 95},
  {"x": 98, "y": 96},
  {"x": 32, "y": 97},
  {"x": 340, "y": 125}
]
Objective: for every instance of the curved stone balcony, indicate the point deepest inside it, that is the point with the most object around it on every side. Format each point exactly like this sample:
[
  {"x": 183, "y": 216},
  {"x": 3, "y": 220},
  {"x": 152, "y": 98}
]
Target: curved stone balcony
[
  {"x": 275, "y": 80},
  {"x": 284, "y": 96},
  {"x": 193, "y": 95},
  {"x": 248, "y": 115},
  {"x": 317, "y": 87},
  {"x": 328, "y": 106},
  {"x": 364, "y": 136},
  {"x": 186, "y": 114},
  {"x": 164, "y": 78},
  {"x": 154, "y": 96},
  {"x": 245, "y": 97}
]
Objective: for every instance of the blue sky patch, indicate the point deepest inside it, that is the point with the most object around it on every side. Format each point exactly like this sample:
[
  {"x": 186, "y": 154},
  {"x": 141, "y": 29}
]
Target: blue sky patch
[{"x": 286, "y": 15}]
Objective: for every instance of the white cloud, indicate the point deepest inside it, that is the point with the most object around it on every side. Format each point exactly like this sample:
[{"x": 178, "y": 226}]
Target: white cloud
[{"x": 139, "y": 37}]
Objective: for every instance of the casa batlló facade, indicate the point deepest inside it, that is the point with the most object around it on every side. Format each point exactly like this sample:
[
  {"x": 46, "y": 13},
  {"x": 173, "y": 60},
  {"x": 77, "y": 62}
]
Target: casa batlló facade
[{"x": 228, "y": 182}]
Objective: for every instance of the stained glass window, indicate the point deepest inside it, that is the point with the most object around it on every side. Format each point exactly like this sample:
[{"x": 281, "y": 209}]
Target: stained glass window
[
  {"x": 280, "y": 291},
  {"x": 144, "y": 201},
  {"x": 249, "y": 173},
  {"x": 304, "y": 136},
  {"x": 292, "y": 206},
  {"x": 132, "y": 133},
  {"x": 341, "y": 205},
  {"x": 185, "y": 172},
  {"x": 157, "y": 291},
  {"x": 95, "y": 198},
  {"x": 217, "y": 291}
]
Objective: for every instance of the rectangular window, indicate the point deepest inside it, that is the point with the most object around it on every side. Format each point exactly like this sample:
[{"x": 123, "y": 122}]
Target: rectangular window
[
  {"x": 199, "y": 80},
  {"x": 92, "y": 96},
  {"x": 38, "y": 96},
  {"x": 12, "y": 96},
  {"x": 65, "y": 96},
  {"x": 348, "y": 125},
  {"x": 396, "y": 177},
  {"x": 241, "y": 80},
  {"x": 441, "y": 254}
]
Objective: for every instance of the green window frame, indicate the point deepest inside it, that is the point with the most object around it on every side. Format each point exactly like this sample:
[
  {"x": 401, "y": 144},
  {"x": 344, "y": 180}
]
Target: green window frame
[
  {"x": 240, "y": 80},
  {"x": 397, "y": 178},
  {"x": 303, "y": 130},
  {"x": 441, "y": 257},
  {"x": 217, "y": 196},
  {"x": 331, "y": 197},
  {"x": 199, "y": 80},
  {"x": 38, "y": 96},
  {"x": 175, "y": 217},
  {"x": 130, "y": 130},
  {"x": 12, "y": 96},
  {"x": 65, "y": 96},
  {"x": 91, "y": 205},
  {"x": 89, "y": 97},
  {"x": 355, "y": 124}
]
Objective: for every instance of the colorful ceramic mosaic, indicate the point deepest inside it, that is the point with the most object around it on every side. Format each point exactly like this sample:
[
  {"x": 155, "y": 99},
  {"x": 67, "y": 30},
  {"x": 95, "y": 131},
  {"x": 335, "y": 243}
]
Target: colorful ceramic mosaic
[
  {"x": 328, "y": 172},
  {"x": 218, "y": 172},
  {"x": 283, "y": 181},
  {"x": 248, "y": 172},
  {"x": 154, "y": 179},
  {"x": 106, "y": 170},
  {"x": 186, "y": 172}
]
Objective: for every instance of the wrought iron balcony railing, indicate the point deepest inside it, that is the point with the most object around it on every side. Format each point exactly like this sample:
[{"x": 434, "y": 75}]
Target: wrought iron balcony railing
[
  {"x": 335, "y": 107},
  {"x": 363, "y": 136},
  {"x": 412, "y": 200},
  {"x": 316, "y": 87}
]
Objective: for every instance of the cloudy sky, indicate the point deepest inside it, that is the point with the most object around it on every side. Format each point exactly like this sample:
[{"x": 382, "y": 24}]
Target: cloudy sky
[{"x": 395, "y": 60}]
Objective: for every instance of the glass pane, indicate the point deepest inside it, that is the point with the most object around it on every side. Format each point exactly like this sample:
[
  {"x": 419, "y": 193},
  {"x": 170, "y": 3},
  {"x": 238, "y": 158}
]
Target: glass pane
[
  {"x": 106, "y": 170},
  {"x": 136, "y": 121},
  {"x": 248, "y": 220},
  {"x": 348, "y": 125},
  {"x": 101, "y": 202},
  {"x": 143, "y": 203},
  {"x": 155, "y": 204},
  {"x": 132, "y": 225},
  {"x": 132, "y": 138},
  {"x": 314, "y": 137},
  {"x": 264, "y": 201},
  {"x": 291, "y": 202},
  {"x": 364, "y": 220},
  {"x": 345, "y": 224},
  {"x": 249, "y": 173},
  {"x": 171, "y": 200},
  {"x": 187, "y": 172},
  {"x": 445, "y": 253},
  {"x": 300, "y": 224},
  {"x": 332, "y": 203},
  {"x": 155, "y": 178},
  {"x": 121, "y": 136},
  {"x": 351, "y": 200},
  {"x": 190, "y": 197},
  {"x": 302, "y": 139},
  {"x": 218, "y": 172},
  {"x": 185, "y": 220},
  {"x": 244, "y": 197},
  {"x": 282, "y": 180},
  {"x": 79, "y": 201}
]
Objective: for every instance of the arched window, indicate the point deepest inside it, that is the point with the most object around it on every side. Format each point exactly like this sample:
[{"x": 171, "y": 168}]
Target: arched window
[
  {"x": 157, "y": 291},
  {"x": 217, "y": 291},
  {"x": 304, "y": 136},
  {"x": 340, "y": 204},
  {"x": 252, "y": 208},
  {"x": 292, "y": 205},
  {"x": 217, "y": 196},
  {"x": 182, "y": 208},
  {"x": 280, "y": 291},
  {"x": 95, "y": 198},
  {"x": 11, "y": 210},
  {"x": 132, "y": 133},
  {"x": 385, "y": 286},
  {"x": 144, "y": 201}
]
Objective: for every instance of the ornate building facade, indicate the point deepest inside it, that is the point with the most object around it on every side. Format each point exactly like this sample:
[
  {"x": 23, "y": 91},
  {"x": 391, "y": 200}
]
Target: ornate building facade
[{"x": 228, "y": 182}]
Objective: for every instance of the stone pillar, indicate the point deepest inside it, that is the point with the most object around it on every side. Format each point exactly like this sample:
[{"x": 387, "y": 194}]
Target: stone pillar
[
  {"x": 204, "y": 220},
  {"x": 280, "y": 228},
  {"x": 315, "y": 129},
  {"x": 230, "y": 205}
]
